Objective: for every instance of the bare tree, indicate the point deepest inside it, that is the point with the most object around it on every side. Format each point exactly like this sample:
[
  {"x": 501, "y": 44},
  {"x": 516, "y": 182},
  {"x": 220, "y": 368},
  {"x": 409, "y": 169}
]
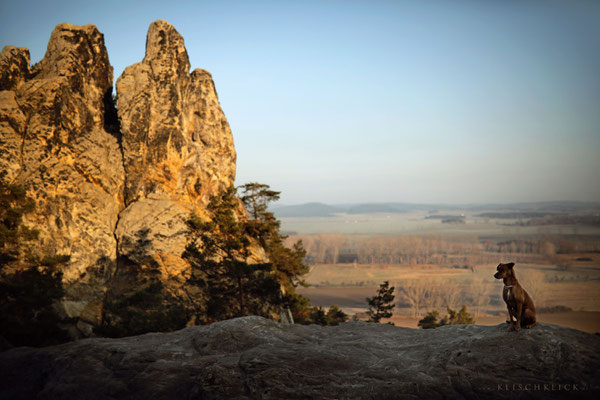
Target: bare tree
[
  {"x": 534, "y": 282},
  {"x": 434, "y": 293},
  {"x": 450, "y": 294},
  {"x": 414, "y": 293},
  {"x": 480, "y": 290}
]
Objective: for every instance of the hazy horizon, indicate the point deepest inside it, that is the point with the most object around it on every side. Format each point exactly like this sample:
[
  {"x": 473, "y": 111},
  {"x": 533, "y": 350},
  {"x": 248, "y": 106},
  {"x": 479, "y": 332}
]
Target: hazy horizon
[
  {"x": 385, "y": 101},
  {"x": 343, "y": 204}
]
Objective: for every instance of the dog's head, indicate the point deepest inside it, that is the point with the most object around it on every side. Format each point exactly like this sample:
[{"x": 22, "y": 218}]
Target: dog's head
[{"x": 504, "y": 270}]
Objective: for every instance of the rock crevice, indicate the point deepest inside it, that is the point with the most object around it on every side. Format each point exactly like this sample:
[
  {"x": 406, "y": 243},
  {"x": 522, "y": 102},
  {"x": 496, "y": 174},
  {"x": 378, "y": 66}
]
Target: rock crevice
[{"x": 105, "y": 176}]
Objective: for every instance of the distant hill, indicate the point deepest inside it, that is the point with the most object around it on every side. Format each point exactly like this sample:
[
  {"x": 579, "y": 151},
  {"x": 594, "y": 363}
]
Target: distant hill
[
  {"x": 373, "y": 208},
  {"x": 327, "y": 210},
  {"x": 307, "y": 210}
]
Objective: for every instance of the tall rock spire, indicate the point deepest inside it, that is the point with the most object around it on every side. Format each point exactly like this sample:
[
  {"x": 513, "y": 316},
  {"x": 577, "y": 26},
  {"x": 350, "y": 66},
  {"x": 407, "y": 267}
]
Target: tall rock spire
[
  {"x": 177, "y": 145},
  {"x": 112, "y": 193},
  {"x": 59, "y": 140},
  {"x": 176, "y": 139}
]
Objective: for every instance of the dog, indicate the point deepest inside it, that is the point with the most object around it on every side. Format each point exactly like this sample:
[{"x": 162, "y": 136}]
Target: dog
[{"x": 519, "y": 304}]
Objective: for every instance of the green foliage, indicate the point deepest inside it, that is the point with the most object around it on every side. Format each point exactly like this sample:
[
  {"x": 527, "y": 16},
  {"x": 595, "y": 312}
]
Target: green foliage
[
  {"x": 288, "y": 263},
  {"x": 146, "y": 310},
  {"x": 218, "y": 252},
  {"x": 382, "y": 304},
  {"x": 317, "y": 315},
  {"x": 305, "y": 314},
  {"x": 300, "y": 307},
  {"x": 462, "y": 317},
  {"x": 430, "y": 321},
  {"x": 27, "y": 317},
  {"x": 256, "y": 197},
  {"x": 335, "y": 316},
  {"x": 29, "y": 286}
]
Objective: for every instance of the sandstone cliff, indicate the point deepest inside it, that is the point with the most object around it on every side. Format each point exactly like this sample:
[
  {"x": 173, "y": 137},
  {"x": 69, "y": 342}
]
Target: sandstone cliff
[
  {"x": 112, "y": 189},
  {"x": 255, "y": 358},
  {"x": 59, "y": 142},
  {"x": 177, "y": 145}
]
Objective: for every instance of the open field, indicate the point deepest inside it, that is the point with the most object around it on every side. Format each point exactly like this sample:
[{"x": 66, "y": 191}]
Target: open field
[
  {"x": 448, "y": 257},
  {"x": 420, "y": 222},
  {"x": 577, "y": 288}
]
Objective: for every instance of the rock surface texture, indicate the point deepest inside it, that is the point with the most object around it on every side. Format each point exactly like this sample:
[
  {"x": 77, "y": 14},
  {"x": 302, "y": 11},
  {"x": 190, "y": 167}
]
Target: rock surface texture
[
  {"x": 58, "y": 140},
  {"x": 177, "y": 145},
  {"x": 112, "y": 190},
  {"x": 255, "y": 358}
]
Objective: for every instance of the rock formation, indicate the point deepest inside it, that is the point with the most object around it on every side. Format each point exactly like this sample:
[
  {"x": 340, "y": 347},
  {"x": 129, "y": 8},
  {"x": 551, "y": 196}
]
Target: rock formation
[
  {"x": 112, "y": 189},
  {"x": 59, "y": 141},
  {"x": 255, "y": 358},
  {"x": 177, "y": 145}
]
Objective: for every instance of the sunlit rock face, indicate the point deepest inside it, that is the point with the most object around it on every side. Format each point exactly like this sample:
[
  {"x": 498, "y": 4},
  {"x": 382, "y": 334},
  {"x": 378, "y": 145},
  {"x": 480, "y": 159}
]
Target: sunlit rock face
[
  {"x": 113, "y": 189},
  {"x": 177, "y": 144},
  {"x": 59, "y": 139}
]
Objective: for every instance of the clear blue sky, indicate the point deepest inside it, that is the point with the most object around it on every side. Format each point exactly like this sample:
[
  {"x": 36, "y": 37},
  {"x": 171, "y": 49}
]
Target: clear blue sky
[{"x": 352, "y": 101}]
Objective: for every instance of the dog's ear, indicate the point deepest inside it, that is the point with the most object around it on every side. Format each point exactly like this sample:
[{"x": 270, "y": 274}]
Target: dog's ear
[{"x": 510, "y": 265}]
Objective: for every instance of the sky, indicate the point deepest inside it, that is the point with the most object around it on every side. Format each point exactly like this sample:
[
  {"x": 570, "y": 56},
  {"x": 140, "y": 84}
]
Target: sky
[{"x": 380, "y": 101}]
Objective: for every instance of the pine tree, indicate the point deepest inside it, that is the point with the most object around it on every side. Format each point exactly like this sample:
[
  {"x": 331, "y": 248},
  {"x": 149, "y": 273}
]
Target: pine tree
[
  {"x": 381, "y": 305},
  {"x": 335, "y": 316},
  {"x": 430, "y": 320},
  {"x": 218, "y": 251},
  {"x": 288, "y": 263},
  {"x": 462, "y": 317}
]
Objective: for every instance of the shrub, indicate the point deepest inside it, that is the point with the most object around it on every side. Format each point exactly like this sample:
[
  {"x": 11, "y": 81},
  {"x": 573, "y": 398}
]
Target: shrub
[{"x": 462, "y": 317}]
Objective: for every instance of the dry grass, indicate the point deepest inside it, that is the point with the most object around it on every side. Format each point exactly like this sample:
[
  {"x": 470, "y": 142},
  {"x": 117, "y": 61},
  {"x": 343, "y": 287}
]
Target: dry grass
[{"x": 577, "y": 287}]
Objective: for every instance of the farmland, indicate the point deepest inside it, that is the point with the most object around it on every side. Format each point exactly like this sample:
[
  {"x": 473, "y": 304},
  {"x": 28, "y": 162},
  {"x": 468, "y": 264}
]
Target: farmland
[{"x": 451, "y": 264}]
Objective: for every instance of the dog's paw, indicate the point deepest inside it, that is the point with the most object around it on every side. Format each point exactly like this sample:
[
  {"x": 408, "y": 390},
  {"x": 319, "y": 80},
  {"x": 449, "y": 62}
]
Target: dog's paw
[
  {"x": 517, "y": 328},
  {"x": 511, "y": 328}
]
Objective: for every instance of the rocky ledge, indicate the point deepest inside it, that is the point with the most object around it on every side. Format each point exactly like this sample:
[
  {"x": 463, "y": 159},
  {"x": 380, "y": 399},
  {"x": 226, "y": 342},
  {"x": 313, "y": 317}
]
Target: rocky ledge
[{"x": 256, "y": 358}]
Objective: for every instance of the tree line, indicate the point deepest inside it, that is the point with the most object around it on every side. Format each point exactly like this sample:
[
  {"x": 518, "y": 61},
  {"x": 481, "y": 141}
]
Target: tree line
[{"x": 435, "y": 249}]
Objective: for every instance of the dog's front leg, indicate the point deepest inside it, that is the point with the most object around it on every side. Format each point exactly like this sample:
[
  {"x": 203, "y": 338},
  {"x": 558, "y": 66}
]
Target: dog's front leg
[
  {"x": 510, "y": 318},
  {"x": 518, "y": 316}
]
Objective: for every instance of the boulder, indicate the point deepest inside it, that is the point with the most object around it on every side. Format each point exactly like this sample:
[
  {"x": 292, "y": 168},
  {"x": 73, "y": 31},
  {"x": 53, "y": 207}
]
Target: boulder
[{"x": 256, "y": 358}]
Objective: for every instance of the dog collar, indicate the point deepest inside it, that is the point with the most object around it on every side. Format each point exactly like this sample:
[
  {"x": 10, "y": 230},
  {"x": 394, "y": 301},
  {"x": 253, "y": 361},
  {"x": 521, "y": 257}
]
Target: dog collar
[{"x": 508, "y": 287}]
